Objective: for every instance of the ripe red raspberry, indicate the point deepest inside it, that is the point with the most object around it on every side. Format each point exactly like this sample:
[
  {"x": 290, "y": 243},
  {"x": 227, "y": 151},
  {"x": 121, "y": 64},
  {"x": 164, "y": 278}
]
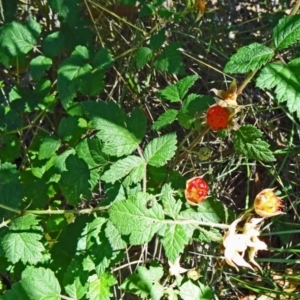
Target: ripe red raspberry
[
  {"x": 196, "y": 190},
  {"x": 217, "y": 117}
]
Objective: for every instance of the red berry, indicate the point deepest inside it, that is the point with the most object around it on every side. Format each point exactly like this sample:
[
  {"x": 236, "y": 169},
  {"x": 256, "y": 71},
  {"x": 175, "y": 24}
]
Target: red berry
[
  {"x": 196, "y": 190},
  {"x": 217, "y": 117}
]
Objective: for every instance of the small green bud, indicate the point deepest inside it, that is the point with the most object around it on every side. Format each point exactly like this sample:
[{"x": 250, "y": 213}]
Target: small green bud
[{"x": 204, "y": 153}]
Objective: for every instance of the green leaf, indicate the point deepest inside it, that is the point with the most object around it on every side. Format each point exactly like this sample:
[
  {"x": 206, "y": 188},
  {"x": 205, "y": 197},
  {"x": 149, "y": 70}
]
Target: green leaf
[
  {"x": 90, "y": 234},
  {"x": 165, "y": 119},
  {"x": 209, "y": 235},
  {"x": 48, "y": 147},
  {"x": 68, "y": 11},
  {"x": 195, "y": 291},
  {"x": 71, "y": 128},
  {"x": 145, "y": 282},
  {"x": 38, "y": 66},
  {"x": 175, "y": 238},
  {"x": 52, "y": 44},
  {"x": 70, "y": 72},
  {"x": 285, "y": 79},
  {"x": 160, "y": 150},
  {"x": 40, "y": 283},
  {"x": 170, "y": 60},
  {"x": 111, "y": 122},
  {"x": 9, "y": 8},
  {"x": 22, "y": 241},
  {"x": 63, "y": 252},
  {"x": 35, "y": 189},
  {"x": 114, "y": 237},
  {"x": 90, "y": 150},
  {"x": 8, "y": 173},
  {"x": 102, "y": 59},
  {"x": 92, "y": 83},
  {"x": 143, "y": 55},
  {"x": 36, "y": 284},
  {"x": 186, "y": 120},
  {"x": 247, "y": 142},
  {"x": 74, "y": 182},
  {"x": 249, "y": 58},
  {"x": 287, "y": 32},
  {"x": 11, "y": 195},
  {"x": 177, "y": 91},
  {"x": 136, "y": 124},
  {"x": 132, "y": 217},
  {"x": 146, "y": 10},
  {"x": 10, "y": 120},
  {"x": 158, "y": 39},
  {"x": 17, "y": 38},
  {"x": 123, "y": 167},
  {"x": 193, "y": 104},
  {"x": 171, "y": 206},
  {"x": 75, "y": 280},
  {"x": 208, "y": 211},
  {"x": 100, "y": 287}
]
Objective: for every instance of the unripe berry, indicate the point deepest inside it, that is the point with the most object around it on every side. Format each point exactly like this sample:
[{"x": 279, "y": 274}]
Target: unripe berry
[{"x": 268, "y": 204}]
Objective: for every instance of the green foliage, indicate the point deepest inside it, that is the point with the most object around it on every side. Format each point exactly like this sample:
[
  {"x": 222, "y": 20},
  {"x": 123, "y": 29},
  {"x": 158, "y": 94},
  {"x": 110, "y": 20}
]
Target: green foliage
[
  {"x": 101, "y": 121},
  {"x": 247, "y": 141},
  {"x": 22, "y": 241},
  {"x": 145, "y": 282},
  {"x": 287, "y": 32},
  {"x": 285, "y": 79},
  {"x": 249, "y": 58},
  {"x": 176, "y": 92}
]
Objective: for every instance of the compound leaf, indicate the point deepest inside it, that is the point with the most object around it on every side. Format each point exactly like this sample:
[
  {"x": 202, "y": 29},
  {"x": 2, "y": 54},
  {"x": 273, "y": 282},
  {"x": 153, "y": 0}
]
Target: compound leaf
[
  {"x": 40, "y": 283},
  {"x": 247, "y": 142},
  {"x": 70, "y": 72},
  {"x": 17, "y": 38},
  {"x": 48, "y": 147},
  {"x": 143, "y": 55},
  {"x": 132, "y": 217},
  {"x": 22, "y": 241},
  {"x": 122, "y": 168},
  {"x": 177, "y": 91},
  {"x": 285, "y": 79},
  {"x": 249, "y": 58},
  {"x": 191, "y": 291},
  {"x": 100, "y": 287},
  {"x": 287, "y": 32},
  {"x": 74, "y": 182},
  {"x": 38, "y": 66},
  {"x": 145, "y": 282},
  {"x": 165, "y": 119},
  {"x": 171, "y": 206},
  {"x": 170, "y": 60},
  {"x": 176, "y": 237},
  {"x": 111, "y": 122},
  {"x": 160, "y": 150}
]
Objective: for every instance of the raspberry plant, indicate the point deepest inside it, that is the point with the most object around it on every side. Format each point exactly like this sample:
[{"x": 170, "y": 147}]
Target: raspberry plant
[{"x": 92, "y": 181}]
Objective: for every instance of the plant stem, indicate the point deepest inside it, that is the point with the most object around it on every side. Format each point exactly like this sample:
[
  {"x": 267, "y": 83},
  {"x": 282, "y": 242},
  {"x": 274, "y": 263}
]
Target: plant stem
[
  {"x": 295, "y": 8},
  {"x": 54, "y": 212},
  {"x": 192, "y": 145},
  {"x": 245, "y": 82}
]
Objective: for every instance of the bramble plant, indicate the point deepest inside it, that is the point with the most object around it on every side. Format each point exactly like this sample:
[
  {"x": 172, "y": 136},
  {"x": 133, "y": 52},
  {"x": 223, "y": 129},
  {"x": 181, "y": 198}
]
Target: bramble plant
[{"x": 109, "y": 152}]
